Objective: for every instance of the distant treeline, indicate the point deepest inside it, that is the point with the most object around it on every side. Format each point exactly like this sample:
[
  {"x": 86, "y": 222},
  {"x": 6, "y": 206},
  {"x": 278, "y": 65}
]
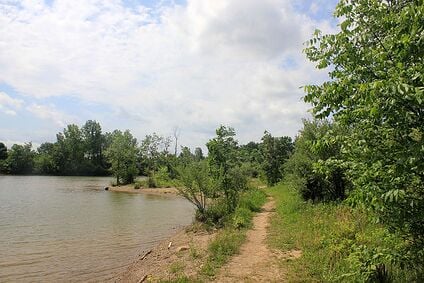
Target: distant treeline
[{"x": 87, "y": 151}]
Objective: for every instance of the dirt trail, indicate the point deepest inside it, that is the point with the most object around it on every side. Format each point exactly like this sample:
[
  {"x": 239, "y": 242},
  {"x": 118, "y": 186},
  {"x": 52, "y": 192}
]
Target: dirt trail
[{"x": 256, "y": 262}]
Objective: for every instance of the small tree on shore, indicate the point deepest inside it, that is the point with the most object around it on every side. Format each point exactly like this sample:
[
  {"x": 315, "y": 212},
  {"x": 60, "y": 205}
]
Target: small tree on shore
[
  {"x": 122, "y": 155},
  {"x": 222, "y": 160},
  {"x": 197, "y": 186}
]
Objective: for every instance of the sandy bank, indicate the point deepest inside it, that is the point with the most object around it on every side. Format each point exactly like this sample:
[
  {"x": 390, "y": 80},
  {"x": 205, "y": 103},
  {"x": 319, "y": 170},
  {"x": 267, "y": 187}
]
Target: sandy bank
[
  {"x": 183, "y": 253},
  {"x": 151, "y": 191}
]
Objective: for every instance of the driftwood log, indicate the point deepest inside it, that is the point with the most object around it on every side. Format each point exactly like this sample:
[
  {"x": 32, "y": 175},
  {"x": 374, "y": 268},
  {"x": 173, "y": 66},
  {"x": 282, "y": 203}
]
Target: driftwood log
[
  {"x": 142, "y": 279},
  {"x": 146, "y": 254}
]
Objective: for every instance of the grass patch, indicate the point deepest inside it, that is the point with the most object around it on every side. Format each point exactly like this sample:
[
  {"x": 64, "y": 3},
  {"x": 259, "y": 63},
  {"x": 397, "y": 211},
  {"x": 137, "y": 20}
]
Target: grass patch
[
  {"x": 256, "y": 183},
  {"x": 253, "y": 200},
  {"x": 226, "y": 244},
  {"x": 335, "y": 240},
  {"x": 176, "y": 267},
  {"x": 194, "y": 252}
]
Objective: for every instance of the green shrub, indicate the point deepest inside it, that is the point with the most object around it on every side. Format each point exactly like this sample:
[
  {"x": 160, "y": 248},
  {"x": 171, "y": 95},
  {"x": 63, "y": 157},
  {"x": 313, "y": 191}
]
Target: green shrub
[
  {"x": 316, "y": 164},
  {"x": 253, "y": 200},
  {"x": 137, "y": 185},
  {"x": 216, "y": 214},
  {"x": 250, "y": 169},
  {"x": 250, "y": 201},
  {"x": 162, "y": 178},
  {"x": 242, "y": 218},
  {"x": 151, "y": 182},
  {"x": 196, "y": 186}
]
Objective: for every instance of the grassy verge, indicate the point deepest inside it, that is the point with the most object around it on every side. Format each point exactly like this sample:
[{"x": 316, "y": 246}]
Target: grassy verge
[
  {"x": 334, "y": 240},
  {"x": 227, "y": 243}
]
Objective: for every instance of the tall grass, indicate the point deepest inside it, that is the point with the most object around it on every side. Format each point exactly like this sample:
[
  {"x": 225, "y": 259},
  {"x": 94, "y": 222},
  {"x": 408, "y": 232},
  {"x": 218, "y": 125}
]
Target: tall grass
[{"x": 338, "y": 243}]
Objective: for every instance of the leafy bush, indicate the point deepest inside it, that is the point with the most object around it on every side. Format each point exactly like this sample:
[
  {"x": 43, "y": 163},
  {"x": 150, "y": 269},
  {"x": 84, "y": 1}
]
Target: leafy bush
[
  {"x": 242, "y": 218},
  {"x": 137, "y": 185},
  {"x": 151, "y": 182},
  {"x": 250, "y": 169},
  {"x": 197, "y": 186},
  {"x": 250, "y": 201},
  {"x": 315, "y": 163},
  {"x": 162, "y": 178},
  {"x": 216, "y": 215},
  {"x": 253, "y": 200}
]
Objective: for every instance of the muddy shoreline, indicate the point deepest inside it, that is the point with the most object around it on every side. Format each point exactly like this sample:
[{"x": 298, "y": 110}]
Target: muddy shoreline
[
  {"x": 151, "y": 191},
  {"x": 181, "y": 254}
]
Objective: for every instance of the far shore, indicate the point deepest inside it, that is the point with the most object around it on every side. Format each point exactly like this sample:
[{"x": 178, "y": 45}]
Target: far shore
[{"x": 150, "y": 191}]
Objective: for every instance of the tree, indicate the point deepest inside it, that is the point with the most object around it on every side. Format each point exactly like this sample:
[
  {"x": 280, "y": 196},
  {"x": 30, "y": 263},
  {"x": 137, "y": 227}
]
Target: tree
[
  {"x": 93, "y": 142},
  {"x": 376, "y": 91},
  {"x": 3, "y": 151},
  {"x": 251, "y": 152},
  {"x": 198, "y": 154},
  {"x": 197, "y": 186},
  {"x": 275, "y": 151},
  {"x": 69, "y": 151},
  {"x": 185, "y": 157},
  {"x": 74, "y": 143},
  {"x": 122, "y": 156},
  {"x": 222, "y": 160},
  {"x": 316, "y": 163},
  {"x": 150, "y": 150},
  {"x": 3, "y": 157},
  {"x": 20, "y": 159},
  {"x": 176, "y": 134},
  {"x": 251, "y": 157},
  {"x": 44, "y": 162}
]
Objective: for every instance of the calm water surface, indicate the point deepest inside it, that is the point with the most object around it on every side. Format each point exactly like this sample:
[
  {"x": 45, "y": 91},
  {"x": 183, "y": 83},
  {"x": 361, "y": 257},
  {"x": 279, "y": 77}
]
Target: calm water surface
[{"x": 70, "y": 229}]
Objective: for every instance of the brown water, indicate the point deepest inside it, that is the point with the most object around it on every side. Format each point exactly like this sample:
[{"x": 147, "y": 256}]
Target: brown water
[{"x": 69, "y": 229}]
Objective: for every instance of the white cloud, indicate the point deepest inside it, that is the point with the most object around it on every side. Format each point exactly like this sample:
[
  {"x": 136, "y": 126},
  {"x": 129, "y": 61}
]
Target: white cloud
[
  {"x": 194, "y": 66},
  {"x": 8, "y": 104},
  {"x": 50, "y": 113}
]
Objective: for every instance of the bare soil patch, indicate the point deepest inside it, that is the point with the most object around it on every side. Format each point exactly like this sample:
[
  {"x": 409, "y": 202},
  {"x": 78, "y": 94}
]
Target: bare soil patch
[{"x": 184, "y": 257}]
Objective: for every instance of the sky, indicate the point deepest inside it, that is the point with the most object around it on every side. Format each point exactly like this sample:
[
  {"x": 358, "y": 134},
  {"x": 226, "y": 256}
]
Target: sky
[{"x": 154, "y": 66}]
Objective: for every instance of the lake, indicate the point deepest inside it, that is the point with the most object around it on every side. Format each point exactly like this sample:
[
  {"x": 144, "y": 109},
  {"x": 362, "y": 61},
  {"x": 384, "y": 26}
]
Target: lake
[{"x": 70, "y": 229}]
